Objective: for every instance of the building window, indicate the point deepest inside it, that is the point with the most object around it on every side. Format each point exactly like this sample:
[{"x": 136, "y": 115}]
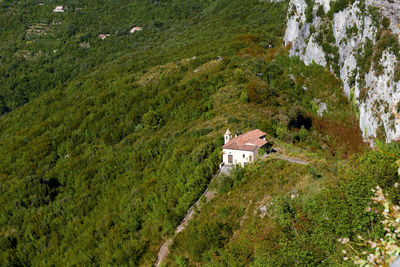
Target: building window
[
  {"x": 243, "y": 155},
  {"x": 250, "y": 158}
]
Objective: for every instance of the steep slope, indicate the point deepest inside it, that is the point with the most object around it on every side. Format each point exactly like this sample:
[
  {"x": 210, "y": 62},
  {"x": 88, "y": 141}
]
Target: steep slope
[
  {"x": 40, "y": 49},
  {"x": 276, "y": 213},
  {"x": 101, "y": 169},
  {"x": 100, "y": 172},
  {"x": 361, "y": 47}
]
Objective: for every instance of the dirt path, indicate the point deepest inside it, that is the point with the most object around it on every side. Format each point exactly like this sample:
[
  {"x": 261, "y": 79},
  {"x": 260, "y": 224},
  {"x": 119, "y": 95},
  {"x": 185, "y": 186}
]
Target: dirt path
[
  {"x": 284, "y": 157},
  {"x": 164, "y": 250},
  {"x": 162, "y": 254},
  {"x": 292, "y": 159}
]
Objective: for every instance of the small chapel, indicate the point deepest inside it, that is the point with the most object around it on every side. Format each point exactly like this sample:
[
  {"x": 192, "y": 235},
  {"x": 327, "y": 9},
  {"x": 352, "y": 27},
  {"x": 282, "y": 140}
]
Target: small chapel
[{"x": 244, "y": 148}]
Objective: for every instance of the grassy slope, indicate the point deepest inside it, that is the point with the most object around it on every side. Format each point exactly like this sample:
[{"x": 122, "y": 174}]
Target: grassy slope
[
  {"x": 94, "y": 186},
  {"x": 254, "y": 220},
  {"x": 33, "y": 62},
  {"x": 102, "y": 170},
  {"x": 258, "y": 223},
  {"x": 99, "y": 170}
]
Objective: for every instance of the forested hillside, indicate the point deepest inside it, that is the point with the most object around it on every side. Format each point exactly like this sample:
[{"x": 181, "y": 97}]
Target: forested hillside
[
  {"x": 104, "y": 147},
  {"x": 101, "y": 167},
  {"x": 276, "y": 213},
  {"x": 40, "y": 49}
]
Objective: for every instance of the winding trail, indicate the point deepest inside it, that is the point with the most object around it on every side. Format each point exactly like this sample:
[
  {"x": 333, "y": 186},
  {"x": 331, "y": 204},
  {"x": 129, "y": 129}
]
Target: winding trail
[
  {"x": 292, "y": 159},
  {"x": 164, "y": 250}
]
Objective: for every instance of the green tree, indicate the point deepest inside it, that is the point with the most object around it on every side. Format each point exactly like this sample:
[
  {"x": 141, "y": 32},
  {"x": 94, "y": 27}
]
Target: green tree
[{"x": 151, "y": 119}]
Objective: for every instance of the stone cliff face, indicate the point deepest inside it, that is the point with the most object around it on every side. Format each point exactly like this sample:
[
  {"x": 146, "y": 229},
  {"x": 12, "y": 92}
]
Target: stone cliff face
[{"x": 359, "y": 43}]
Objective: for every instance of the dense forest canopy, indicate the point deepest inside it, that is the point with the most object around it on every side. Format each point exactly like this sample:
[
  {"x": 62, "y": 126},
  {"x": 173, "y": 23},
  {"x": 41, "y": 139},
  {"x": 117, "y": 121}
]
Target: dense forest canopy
[
  {"x": 40, "y": 49},
  {"x": 106, "y": 144},
  {"x": 116, "y": 137}
]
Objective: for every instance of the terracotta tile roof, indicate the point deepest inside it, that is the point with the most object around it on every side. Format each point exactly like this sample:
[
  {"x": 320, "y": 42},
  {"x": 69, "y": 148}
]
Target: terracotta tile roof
[
  {"x": 249, "y": 141},
  {"x": 134, "y": 29},
  {"x": 258, "y": 142}
]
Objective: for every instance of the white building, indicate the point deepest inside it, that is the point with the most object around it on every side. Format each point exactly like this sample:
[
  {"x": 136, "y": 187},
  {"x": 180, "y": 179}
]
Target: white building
[
  {"x": 58, "y": 9},
  {"x": 103, "y": 36},
  {"x": 135, "y": 29},
  {"x": 243, "y": 148}
]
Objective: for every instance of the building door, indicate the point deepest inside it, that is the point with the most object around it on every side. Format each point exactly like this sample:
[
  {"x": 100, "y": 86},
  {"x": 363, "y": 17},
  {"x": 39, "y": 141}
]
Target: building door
[
  {"x": 230, "y": 158},
  {"x": 250, "y": 158}
]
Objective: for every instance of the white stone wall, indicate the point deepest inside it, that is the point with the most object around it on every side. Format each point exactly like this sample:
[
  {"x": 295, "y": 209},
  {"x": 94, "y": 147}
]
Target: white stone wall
[
  {"x": 378, "y": 109},
  {"x": 237, "y": 156}
]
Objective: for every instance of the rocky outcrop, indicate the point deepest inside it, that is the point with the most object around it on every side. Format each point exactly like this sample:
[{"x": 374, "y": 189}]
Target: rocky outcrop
[{"x": 361, "y": 47}]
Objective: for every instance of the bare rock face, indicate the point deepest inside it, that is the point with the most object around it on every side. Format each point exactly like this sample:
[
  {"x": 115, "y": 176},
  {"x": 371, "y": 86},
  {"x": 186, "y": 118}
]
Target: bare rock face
[
  {"x": 359, "y": 43},
  {"x": 389, "y": 9}
]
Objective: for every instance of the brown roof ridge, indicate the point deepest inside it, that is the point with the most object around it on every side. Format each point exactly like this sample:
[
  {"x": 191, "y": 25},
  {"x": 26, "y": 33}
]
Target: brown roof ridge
[{"x": 247, "y": 141}]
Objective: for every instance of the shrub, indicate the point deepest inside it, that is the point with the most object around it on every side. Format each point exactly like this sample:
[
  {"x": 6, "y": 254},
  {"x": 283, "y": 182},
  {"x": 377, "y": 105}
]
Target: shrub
[
  {"x": 138, "y": 127},
  {"x": 261, "y": 152},
  {"x": 312, "y": 29},
  {"x": 385, "y": 22},
  {"x": 151, "y": 119},
  {"x": 233, "y": 120},
  {"x": 181, "y": 261},
  {"x": 225, "y": 184},
  {"x": 237, "y": 173},
  {"x": 224, "y": 212},
  {"x": 244, "y": 97},
  {"x": 303, "y": 135},
  {"x": 309, "y": 11},
  {"x": 386, "y": 250},
  {"x": 240, "y": 76},
  {"x": 313, "y": 172},
  {"x": 337, "y": 6},
  {"x": 375, "y": 15},
  {"x": 282, "y": 132},
  {"x": 205, "y": 237},
  {"x": 320, "y": 11}
]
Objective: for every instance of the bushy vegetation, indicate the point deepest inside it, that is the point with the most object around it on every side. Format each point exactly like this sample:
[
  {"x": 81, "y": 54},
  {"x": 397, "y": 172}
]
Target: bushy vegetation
[
  {"x": 88, "y": 183},
  {"x": 309, "y": 11},
  {"x": 382, "y": 251},
  {"x": 326, "y": 40},
  {"x": 41, "y": 50},
  {"x": 119, "y": 139},
  {"x": 282, "y": 215},
  {"x": 101, "y": 168},
  {"x": 339, "y": 5}
]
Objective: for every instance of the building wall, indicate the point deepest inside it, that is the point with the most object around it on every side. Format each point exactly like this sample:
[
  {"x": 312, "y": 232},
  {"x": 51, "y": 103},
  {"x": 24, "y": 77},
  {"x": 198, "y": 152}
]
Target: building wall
[{"x": 238, "y": 156}]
